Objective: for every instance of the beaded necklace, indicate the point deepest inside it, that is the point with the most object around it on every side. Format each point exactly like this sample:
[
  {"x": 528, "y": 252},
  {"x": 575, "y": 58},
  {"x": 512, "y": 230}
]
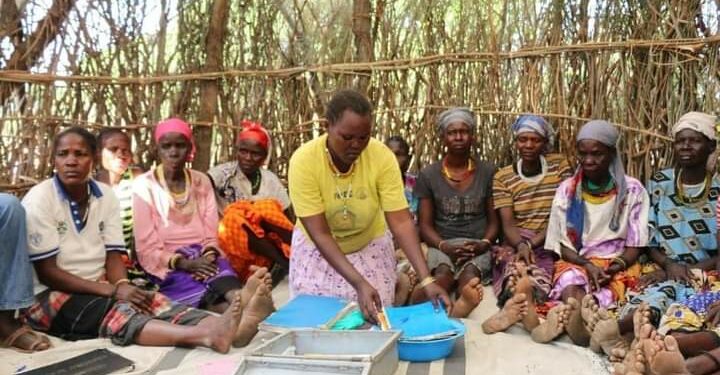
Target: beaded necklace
[
  {"x": 181, "y": 198},
  {"x": 684, "y": 198},
  {"x": 467, "y": 173},
  {"x": 256, "y": 182}
]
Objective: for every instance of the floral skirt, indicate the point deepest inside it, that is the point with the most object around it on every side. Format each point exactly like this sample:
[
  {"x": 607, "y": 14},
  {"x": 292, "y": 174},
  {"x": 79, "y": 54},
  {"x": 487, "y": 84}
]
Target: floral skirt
[{"x": 311, "y": 274}]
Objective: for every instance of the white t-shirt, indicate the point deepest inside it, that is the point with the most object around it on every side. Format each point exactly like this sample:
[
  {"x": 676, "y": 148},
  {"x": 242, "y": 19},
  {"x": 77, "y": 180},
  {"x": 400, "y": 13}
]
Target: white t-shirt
[
  {"x": 55, "y": 229},
  {"x": 232, "y": 185}
]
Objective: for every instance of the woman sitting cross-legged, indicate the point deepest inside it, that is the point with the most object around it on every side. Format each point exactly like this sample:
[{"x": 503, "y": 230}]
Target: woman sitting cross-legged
[
  {"x": 176, "y": 224},
  {"x": 683, "y": 234},
  {"x": 523, "y": 195},
  {"x": 256, "y": 227},
  {"x": 598, "y": 224},
  {"x": 82, "y": 291},
  {"x": 456, "y": 214}
]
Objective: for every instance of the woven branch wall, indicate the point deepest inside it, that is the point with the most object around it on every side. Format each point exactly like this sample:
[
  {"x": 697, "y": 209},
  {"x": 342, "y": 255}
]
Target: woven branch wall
[{"x": 639, "y": 67}]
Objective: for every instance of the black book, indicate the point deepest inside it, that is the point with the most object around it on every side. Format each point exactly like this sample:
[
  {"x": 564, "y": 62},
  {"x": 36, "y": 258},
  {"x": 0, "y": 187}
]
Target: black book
[{"x": 96, "y": 362}]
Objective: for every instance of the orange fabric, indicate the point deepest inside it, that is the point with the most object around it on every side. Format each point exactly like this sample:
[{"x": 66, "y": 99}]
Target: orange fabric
[
  {"x": 620, "y": 282},
  {"x": 244, "y": 215}
]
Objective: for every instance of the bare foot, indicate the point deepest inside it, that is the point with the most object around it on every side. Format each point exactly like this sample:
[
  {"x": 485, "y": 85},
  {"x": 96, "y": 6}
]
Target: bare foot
[
  {"x": 524, "y": 286},
  {"x": 402, "y": 289},
  {"x": 641, "y": 317},
  {"x": 260, "y": 276},
  {"x": 220, "y": 330},
  {"x": 663, "y": 355},
  {"x": 257, "y": 309},
  {"x": 588, "y": 311},
  {"x": 553, "y": 326},
  {"x": 576, "y": 326},
  {"x": 470, "y": 297},
  {"x": 606, "y": 333},
  {"x": 619, "y": 351},
  {"x": 514, "y": 310}
]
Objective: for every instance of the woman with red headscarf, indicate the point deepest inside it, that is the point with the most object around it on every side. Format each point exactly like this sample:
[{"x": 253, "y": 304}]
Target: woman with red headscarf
[
  {"x": 255, "y": 229},
  {"x": 176, "y": 225}
]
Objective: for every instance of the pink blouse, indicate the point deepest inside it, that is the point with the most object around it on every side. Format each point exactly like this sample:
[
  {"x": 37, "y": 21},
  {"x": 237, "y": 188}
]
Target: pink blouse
[{"x": 160, "y": 227}]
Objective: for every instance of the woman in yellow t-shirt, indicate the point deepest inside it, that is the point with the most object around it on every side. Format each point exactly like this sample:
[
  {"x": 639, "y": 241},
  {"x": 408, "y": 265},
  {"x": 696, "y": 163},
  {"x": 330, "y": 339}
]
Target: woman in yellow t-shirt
[{"x": 345, "y": 186}]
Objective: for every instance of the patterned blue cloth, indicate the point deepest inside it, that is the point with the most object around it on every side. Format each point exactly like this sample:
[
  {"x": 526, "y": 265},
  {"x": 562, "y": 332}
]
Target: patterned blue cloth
[
  {"x": 686, "y": 233},
  {"x": 700, "y": 302}
]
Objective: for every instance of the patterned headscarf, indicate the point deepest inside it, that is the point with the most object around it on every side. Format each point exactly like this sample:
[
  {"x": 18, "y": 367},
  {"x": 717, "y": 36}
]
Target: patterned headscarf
[
  {"x": 535, "y": 124},
  {"x": 256, "y": 132},
  {"x": 451, "y": 115},
  {"x": 176, "y": 125}
]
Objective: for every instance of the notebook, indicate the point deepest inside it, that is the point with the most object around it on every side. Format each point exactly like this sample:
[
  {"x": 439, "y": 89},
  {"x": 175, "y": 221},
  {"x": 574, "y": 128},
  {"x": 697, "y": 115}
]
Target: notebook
[{"x": 96, "y": 362}]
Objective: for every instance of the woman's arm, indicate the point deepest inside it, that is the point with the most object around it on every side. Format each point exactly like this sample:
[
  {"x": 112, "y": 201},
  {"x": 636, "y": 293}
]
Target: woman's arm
[
  {"x": 426, "y": 223},
  {"x": 402, "y": 227},
  {"x": 56, "y": 278}
]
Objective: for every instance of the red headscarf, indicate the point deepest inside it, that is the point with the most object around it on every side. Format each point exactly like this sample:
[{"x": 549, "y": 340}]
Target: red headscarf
[
  {"x": 256, "y": 132},
  {"x": 176, "y": 125}
]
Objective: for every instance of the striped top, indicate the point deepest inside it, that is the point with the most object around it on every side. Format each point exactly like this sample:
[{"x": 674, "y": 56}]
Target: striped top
[
  {"x": 123, "y": 192},
  {"x": 530, "y": 201}
]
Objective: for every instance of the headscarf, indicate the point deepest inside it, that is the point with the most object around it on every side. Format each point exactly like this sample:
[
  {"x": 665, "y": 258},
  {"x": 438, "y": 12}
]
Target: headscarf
[
  {"x": 535, "y": 124},
  {"x": 256, "y": 132},
  {"x": 702, "y": 123},
  {"x": 176, "y": 125},
  {"x": 451, "y": 115},
  {"x": 605, "y": 133}
]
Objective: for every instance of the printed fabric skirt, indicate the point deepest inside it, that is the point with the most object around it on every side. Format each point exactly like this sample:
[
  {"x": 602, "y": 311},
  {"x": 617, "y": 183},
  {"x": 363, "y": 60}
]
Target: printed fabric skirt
[
  {"x": 179, "y": 285},
  {"x": 84, "y": 316},
  {"x": 540, "y": 272},
  {"x": 611, "y": 295},
  {"x": 311, "y": 274}
]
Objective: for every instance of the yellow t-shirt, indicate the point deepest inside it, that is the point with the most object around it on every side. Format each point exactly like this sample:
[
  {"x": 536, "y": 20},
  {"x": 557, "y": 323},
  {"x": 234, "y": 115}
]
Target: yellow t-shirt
[{"x": 374, "y": 187}]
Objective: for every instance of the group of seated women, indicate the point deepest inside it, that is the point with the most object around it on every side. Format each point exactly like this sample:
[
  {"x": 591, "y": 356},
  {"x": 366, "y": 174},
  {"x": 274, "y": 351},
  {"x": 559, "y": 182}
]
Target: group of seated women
[
  {"x": 629, "y": 274},
  {"x": 587, "y": 253},
  {"x": 139, "y": 257}
]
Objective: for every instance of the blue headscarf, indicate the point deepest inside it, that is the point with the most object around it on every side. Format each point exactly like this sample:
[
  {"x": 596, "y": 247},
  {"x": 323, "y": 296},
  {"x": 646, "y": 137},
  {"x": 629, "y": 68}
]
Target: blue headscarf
[{"x": 535, "y": 124}]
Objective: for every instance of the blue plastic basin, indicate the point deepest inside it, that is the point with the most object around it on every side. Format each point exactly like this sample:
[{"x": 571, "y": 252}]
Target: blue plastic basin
[{"x": 426, "y": 351}]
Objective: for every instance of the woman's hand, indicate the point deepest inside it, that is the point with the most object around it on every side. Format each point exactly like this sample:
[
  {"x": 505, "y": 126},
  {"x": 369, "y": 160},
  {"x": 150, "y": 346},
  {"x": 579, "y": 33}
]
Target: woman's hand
[
  {"x": 678, "y": 272},
  {"x": 653, "y": 277},
  {"x": 369, "y": 301},
  {"x": 712, "y": 318},
  {"x": 140, "y": 299},
  {"x": 200, "y": 268},
  {"x": 598, "y": 277},
  {"x": 525, "y": 254},
  {"x": 210, "y": 253},
  {"x": 436, "y": 294}
]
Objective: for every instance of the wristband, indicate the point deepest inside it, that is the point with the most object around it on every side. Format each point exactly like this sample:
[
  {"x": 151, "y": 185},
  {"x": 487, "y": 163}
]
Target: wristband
[{"x": 426, "y": 281}]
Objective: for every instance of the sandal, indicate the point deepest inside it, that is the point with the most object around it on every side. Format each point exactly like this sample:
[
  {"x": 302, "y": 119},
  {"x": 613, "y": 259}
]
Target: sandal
[{"x": 37, "y": 339}]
